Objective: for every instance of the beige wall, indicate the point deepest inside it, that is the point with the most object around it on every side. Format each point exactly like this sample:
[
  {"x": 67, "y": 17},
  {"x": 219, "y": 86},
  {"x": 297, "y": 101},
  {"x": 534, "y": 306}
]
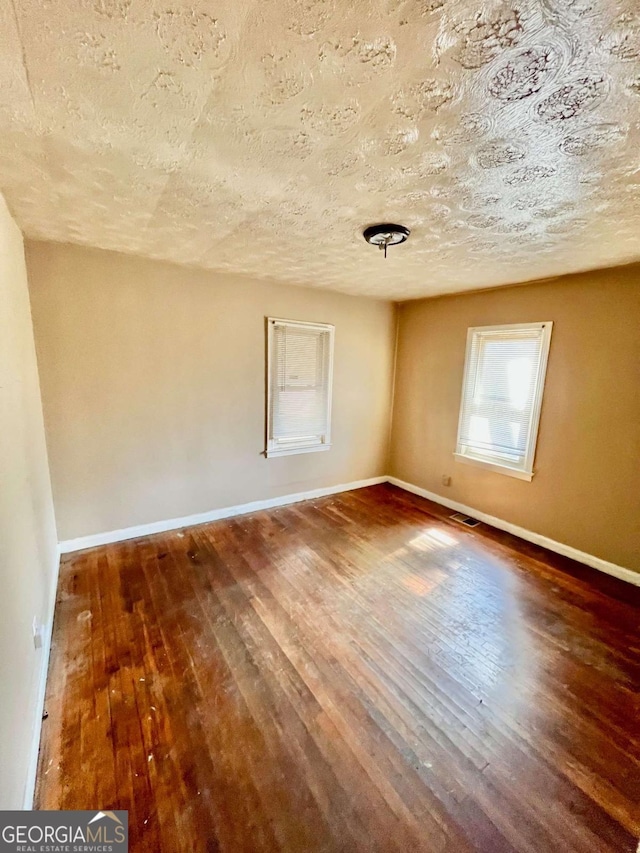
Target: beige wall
[
  {"x": 586, "y": 490},
  {"x": 153, "y": 383},
  {"x": 153, "y": 388},
  {"x": 28, "y": 545}
]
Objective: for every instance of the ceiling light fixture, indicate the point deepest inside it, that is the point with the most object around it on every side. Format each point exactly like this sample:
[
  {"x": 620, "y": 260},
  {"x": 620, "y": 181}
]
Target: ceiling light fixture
[{"x": 385, "y": 235}]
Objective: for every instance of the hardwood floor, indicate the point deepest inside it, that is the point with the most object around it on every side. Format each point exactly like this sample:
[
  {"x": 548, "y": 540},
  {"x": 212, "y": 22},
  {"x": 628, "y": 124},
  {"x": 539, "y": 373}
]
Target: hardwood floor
[{"x": 356, "y": 673}]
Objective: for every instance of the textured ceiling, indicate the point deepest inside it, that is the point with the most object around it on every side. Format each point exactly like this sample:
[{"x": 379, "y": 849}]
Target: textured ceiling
[{"x": 261, "y": 137}]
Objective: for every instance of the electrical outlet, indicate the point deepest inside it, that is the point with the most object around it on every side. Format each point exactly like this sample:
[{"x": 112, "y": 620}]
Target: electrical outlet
[
  {"x": 38, "y": 632},
  {"x": 446, "y": 480}
]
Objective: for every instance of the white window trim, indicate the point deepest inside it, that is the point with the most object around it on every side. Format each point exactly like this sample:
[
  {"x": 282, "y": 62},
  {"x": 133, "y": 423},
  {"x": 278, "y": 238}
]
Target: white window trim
[
  {"x": 278, "y": 450},
  {"x": 526, "y": 472}
]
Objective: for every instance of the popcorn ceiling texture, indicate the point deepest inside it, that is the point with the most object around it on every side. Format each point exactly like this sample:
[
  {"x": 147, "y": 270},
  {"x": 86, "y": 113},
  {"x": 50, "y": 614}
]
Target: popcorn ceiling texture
[{"x": 262, "y": 137}]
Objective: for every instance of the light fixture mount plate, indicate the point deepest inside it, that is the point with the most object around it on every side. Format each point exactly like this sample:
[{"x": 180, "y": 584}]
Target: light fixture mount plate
[{"x": 385, "y": 234}]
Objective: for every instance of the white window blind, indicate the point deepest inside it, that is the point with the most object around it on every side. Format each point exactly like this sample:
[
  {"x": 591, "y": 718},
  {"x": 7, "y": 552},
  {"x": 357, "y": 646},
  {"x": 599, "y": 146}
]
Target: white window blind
[
  {"x": 300, "y": 361},
  {"x": 502, "y": 396}
]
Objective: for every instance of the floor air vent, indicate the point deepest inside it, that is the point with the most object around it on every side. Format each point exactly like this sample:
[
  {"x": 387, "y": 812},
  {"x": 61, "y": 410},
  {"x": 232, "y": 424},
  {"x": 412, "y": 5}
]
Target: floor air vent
[{"x": 465, "y": 519}]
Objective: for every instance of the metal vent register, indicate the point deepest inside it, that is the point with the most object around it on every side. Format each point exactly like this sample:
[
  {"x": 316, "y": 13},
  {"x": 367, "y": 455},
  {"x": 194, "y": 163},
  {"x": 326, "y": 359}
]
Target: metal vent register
[{"x": 465, "y": 519}]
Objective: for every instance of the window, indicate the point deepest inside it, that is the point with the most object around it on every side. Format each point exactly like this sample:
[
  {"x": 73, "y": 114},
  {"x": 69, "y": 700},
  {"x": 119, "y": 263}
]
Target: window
[
  {"x": 502, "y": 395},
  {"x": 299, "y": 370}
]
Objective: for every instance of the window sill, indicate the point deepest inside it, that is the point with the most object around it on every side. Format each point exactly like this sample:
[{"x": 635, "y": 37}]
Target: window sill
[
  {"x": 495, "y": 466},
  {"x": 290, "y": 451}
]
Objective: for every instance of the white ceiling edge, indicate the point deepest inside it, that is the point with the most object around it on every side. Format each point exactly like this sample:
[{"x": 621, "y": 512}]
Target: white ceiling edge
[{"x": 258, "y": 280}]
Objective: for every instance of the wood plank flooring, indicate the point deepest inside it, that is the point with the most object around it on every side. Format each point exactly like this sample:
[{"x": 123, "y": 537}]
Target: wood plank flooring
[{"x": 355, "y": 673}]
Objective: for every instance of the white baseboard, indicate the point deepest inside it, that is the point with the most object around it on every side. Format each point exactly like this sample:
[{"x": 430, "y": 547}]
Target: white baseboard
[
  {"x": 30, "y": 786},
  {"x": 619, "y": 572},
  {"x": 70, "y": 545},
  {"x": 83, "y": 542}
]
